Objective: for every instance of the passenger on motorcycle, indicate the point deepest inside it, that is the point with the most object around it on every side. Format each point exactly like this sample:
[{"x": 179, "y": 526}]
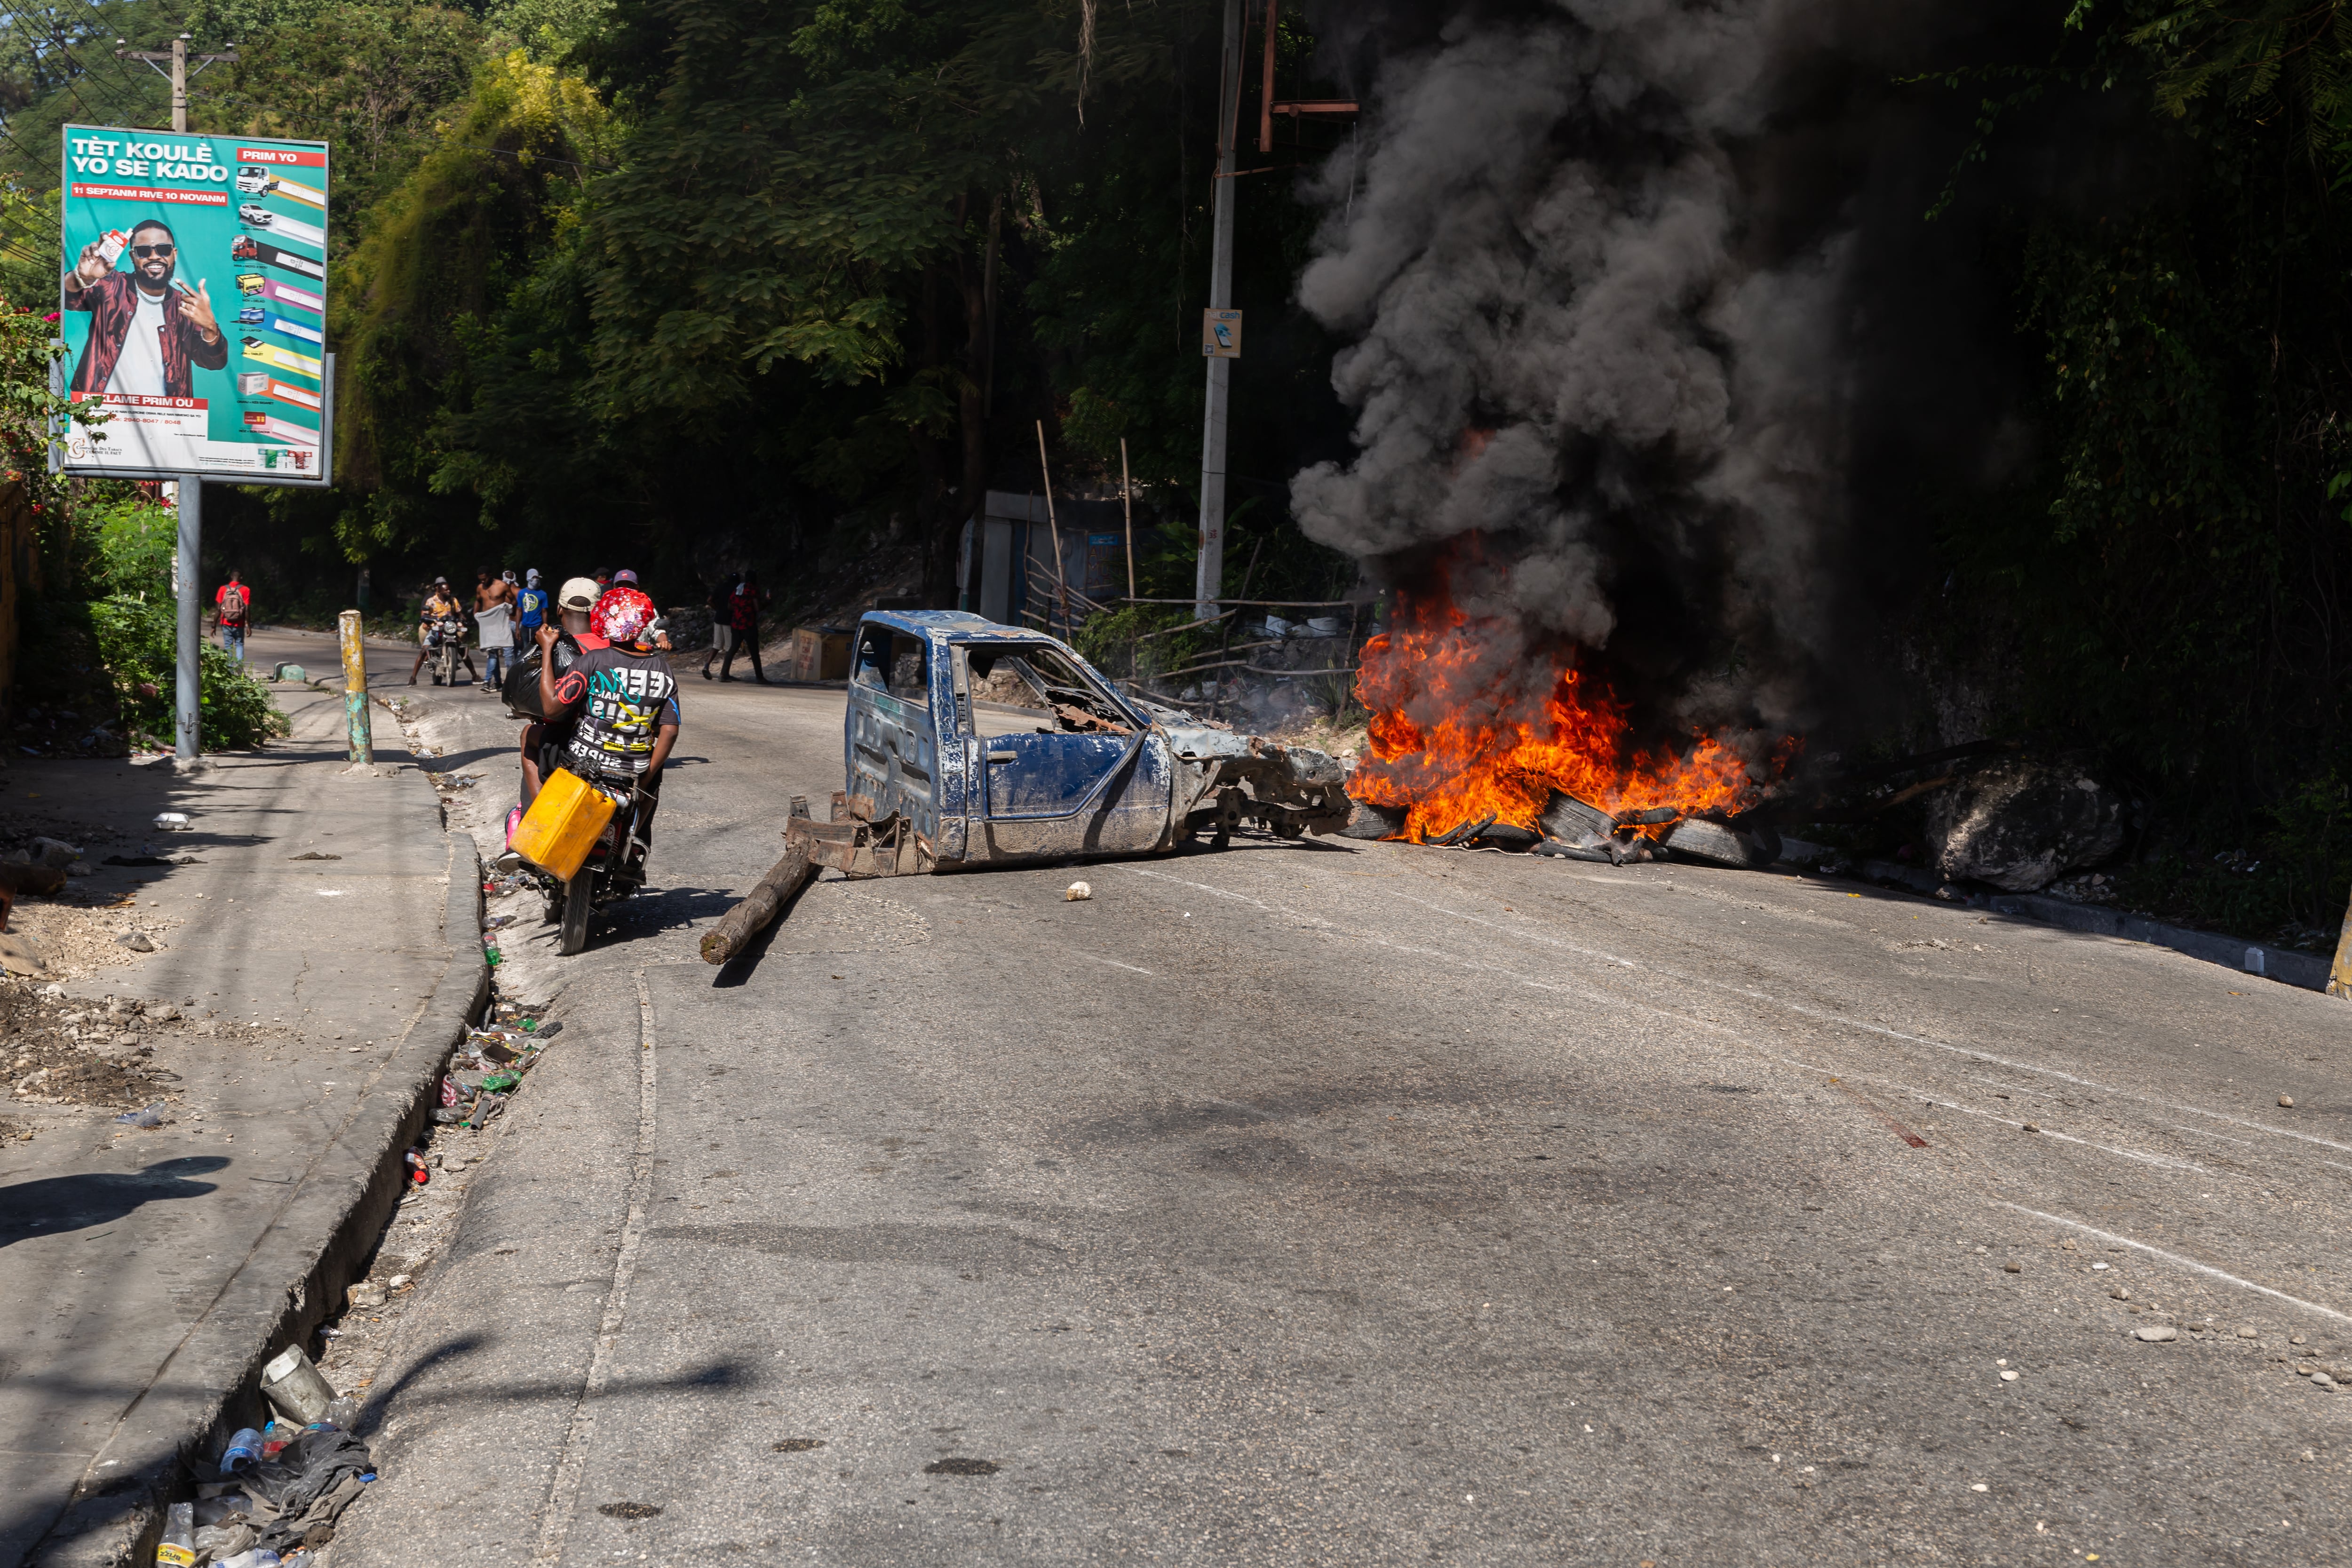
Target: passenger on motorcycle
[
  {"x": 442, "y": 618},
  {"x": 545, "y": 740},
  {"x": 624, "y": 703}
]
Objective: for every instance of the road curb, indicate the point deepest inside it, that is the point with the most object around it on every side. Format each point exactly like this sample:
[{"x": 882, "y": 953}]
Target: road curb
[
  {"x": 291, "y": 1280},
  {"x": 2259, "y": 958}
]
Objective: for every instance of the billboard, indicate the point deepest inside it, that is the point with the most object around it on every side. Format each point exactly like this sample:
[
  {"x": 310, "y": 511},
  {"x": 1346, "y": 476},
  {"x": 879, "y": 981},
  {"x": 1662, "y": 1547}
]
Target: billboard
[{"x": 194, "y": 306}]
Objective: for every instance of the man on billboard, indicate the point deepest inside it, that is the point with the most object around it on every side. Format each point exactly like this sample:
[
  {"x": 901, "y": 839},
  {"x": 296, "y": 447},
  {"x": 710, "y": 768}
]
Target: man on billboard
[{"x": 146, "y": 332}]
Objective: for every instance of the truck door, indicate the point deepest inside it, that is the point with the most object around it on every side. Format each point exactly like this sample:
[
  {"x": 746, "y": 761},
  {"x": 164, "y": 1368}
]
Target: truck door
[
  {"x": 893, "y": 752},
  {"x": 1065, "y": 767}
]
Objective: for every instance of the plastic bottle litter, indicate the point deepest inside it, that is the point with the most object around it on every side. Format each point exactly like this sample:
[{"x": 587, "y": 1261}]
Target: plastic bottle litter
[
  {"x": 152, "y": 1117},
  {"x": 178, "y": 1547},
  {"x": 417, "y": 1170},
  {"x": 254, "y": 1557},
  {"x": 275, "y": 1436},
  {"x": 342, "y": 1412},
  {"x": 293, "y": 1384},
  {"x": 243, "y": 1449}
]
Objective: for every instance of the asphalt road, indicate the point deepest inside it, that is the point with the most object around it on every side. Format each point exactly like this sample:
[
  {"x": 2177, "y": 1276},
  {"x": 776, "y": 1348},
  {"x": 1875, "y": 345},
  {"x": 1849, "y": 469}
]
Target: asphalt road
[{"x": 1335, "y": 1203}]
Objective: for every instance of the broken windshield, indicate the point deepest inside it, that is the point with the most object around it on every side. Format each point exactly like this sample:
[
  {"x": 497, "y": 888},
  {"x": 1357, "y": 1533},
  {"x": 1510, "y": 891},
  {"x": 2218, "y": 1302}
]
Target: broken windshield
[{"x": 1032, "y": 689}]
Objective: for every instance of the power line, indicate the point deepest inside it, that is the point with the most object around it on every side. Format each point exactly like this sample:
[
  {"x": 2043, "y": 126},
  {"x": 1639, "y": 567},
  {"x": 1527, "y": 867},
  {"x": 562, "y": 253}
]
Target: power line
[{"x": 63, "y": 50}]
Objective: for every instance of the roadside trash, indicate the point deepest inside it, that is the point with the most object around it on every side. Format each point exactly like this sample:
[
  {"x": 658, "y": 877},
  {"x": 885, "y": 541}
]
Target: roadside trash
[
  {"x": 365, "y": 1296},
  {"x": 501, "y": 1082},
  {"x": 293, "y": 1384},
  {"x": 171, "y": 821},
  {"x": 215, "y": 1510},
  {"x": 291, "y": 1501},
  {"x": 252, "y": 1557},
  {"x": 243, "y": 1449},
  {"x": 1078, "y": 892},
  {"x": 178, "y": 1547},
  {"x": 152, "y": 1117},
  {"x": 343, "y": 1412},
  {"x": 499, "y": 1051},
  {"x": 448, "y": 1091},
  {"x": 417, "y": 1171},
  {"x": 492, "y": 956},
  {"x": 496, "y": 922},
  {"x": 274, "y": 1436},
  {"x": 545, "y": 1031}
]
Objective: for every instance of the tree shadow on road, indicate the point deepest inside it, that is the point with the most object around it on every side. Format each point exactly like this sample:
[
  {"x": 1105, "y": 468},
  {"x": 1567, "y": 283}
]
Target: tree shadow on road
[{"x": 56, "y": 1205}]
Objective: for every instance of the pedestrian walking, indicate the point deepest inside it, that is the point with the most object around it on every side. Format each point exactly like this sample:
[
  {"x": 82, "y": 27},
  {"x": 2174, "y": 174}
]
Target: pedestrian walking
[
  {"x": 530, "y": 609},
  {"x": 743, "y": 615},
  {"x": 497, "y": 636},
  {"x": 721, "y": 604},
  {"x": 232, "y": 607}
]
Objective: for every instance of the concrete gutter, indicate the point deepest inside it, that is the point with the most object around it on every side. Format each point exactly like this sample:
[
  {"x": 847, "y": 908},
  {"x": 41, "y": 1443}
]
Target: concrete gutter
[
  {"x": 2260, "y": 959},
  {"x": 289, "y": 1283}
]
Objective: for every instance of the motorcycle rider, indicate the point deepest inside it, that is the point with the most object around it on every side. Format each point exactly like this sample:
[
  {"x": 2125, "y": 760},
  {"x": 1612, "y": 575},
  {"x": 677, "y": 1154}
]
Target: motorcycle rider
[
  {"x": 440, "y": 606},
  {"x": 623, "y": 702}
]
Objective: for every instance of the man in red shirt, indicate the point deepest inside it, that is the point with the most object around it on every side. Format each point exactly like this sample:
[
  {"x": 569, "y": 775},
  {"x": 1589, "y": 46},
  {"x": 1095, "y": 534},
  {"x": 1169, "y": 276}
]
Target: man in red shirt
[
  {"x": 232, "y": 609},
  {"x": 743, "y": 611}
]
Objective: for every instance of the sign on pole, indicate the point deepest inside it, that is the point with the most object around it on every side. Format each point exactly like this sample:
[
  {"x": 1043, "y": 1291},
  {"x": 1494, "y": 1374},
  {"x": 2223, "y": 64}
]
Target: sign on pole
[
  {"x": 194, "y": 306},
  {"x": 1221, "y": 334}
]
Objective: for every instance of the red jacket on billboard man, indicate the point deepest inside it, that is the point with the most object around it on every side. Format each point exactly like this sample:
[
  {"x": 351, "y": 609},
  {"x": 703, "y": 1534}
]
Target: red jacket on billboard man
[{"x": 145, "y": 331}]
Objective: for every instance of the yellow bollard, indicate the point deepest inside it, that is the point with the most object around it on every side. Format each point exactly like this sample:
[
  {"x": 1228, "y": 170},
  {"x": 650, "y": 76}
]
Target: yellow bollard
[{"x": 355, "y": 708}]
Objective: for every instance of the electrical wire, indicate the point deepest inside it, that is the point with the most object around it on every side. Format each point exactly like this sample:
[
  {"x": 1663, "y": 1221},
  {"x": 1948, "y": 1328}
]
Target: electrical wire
[{"x": 77, "y": 65}]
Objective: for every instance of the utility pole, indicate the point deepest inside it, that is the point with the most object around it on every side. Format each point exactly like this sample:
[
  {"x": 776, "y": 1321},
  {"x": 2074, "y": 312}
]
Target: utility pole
[
  {"x": 1209, "y": 584},
  {"x": 187, "y": 735}
]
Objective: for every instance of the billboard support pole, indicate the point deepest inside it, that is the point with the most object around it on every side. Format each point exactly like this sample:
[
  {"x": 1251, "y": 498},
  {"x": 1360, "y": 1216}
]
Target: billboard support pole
[{"x": 186, "y": 733}]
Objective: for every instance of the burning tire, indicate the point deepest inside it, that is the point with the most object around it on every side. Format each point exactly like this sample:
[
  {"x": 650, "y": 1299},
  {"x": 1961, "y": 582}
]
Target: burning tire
[
  {"x": 1370, "y": 821},
  {"x": 1713, "y": 844}
]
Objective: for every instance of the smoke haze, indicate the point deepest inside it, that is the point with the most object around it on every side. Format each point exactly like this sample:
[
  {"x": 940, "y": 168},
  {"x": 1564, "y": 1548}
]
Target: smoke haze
[{"x": 1614, "y": 278}]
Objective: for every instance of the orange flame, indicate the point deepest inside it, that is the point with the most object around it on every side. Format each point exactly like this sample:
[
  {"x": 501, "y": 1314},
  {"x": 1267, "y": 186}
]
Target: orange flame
[{"x": 1455, "y": 739}]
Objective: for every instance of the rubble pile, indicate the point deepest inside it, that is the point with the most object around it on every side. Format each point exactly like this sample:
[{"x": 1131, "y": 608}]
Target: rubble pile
[{"x": 62, "y": 1050}]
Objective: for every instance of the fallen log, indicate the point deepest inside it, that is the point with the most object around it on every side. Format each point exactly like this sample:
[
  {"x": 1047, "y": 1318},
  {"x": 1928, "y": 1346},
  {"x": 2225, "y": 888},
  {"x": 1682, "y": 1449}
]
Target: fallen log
[{"x": 747, "y": 920}]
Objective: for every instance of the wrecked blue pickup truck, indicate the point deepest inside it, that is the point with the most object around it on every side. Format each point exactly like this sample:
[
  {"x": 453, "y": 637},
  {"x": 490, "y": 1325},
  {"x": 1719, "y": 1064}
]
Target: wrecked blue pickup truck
[{"x": 969, "y": 744}]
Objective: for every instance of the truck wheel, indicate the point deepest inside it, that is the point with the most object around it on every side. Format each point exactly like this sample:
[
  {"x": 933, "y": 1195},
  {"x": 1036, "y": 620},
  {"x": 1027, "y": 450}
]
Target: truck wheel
[{"x": 574, "y": 935}]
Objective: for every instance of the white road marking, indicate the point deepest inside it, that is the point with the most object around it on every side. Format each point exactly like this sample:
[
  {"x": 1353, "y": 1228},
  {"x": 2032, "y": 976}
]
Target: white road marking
[{"x": 2205, "y": 1268}]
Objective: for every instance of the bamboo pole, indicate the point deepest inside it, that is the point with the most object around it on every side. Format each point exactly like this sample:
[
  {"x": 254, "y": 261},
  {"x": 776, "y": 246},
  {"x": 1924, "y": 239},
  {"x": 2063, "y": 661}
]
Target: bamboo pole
[
  {"x": 1126, "y": 500},
  {"x": 1061, "y": 579}
]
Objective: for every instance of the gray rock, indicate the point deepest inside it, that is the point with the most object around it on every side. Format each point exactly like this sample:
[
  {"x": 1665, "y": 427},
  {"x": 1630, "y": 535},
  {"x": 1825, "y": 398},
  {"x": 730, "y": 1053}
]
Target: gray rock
[
  {"x": 2018, "y": 823},
  {"x": 2156, "y": 1333},
  {"x": 2321, "y": 1380},
  {"x": 366, "y": 1294},
  {"x": 54, "y": 853},
  {"x": 136, "y": 941}
]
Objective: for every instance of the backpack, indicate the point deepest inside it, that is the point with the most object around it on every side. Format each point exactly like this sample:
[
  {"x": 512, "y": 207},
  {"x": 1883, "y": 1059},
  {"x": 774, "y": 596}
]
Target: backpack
[{"x": 232, "y": 604}]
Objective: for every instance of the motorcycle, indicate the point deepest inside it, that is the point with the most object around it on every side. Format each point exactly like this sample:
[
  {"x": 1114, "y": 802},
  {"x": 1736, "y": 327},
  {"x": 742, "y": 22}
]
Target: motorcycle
[
  {"x": 616, "y": 865},
  {"x": 447, "y": 639}
]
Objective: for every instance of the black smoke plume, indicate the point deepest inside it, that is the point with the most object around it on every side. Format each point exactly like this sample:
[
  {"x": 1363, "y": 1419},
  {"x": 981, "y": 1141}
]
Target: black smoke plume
[{"x": 1651, "y": 344}]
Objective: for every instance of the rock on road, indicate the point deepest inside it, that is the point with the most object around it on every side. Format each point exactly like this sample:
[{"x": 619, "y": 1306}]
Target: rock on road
[{"x": 1334, "y": 1203}]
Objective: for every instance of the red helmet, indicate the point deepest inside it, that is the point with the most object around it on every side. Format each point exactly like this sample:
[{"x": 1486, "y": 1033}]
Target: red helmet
[{"x": 620, "y": 616}]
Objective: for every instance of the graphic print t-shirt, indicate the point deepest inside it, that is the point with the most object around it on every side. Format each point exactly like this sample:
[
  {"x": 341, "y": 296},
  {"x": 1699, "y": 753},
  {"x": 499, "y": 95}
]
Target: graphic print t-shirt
[
  {"x": 622, "y": 699},
  {"x": 139, "y": 367},
  {"x": 530, "y": 608}
]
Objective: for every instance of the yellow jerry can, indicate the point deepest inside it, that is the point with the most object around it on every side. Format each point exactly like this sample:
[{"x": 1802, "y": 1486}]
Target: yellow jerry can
[{"x": 556, "y": 833}]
